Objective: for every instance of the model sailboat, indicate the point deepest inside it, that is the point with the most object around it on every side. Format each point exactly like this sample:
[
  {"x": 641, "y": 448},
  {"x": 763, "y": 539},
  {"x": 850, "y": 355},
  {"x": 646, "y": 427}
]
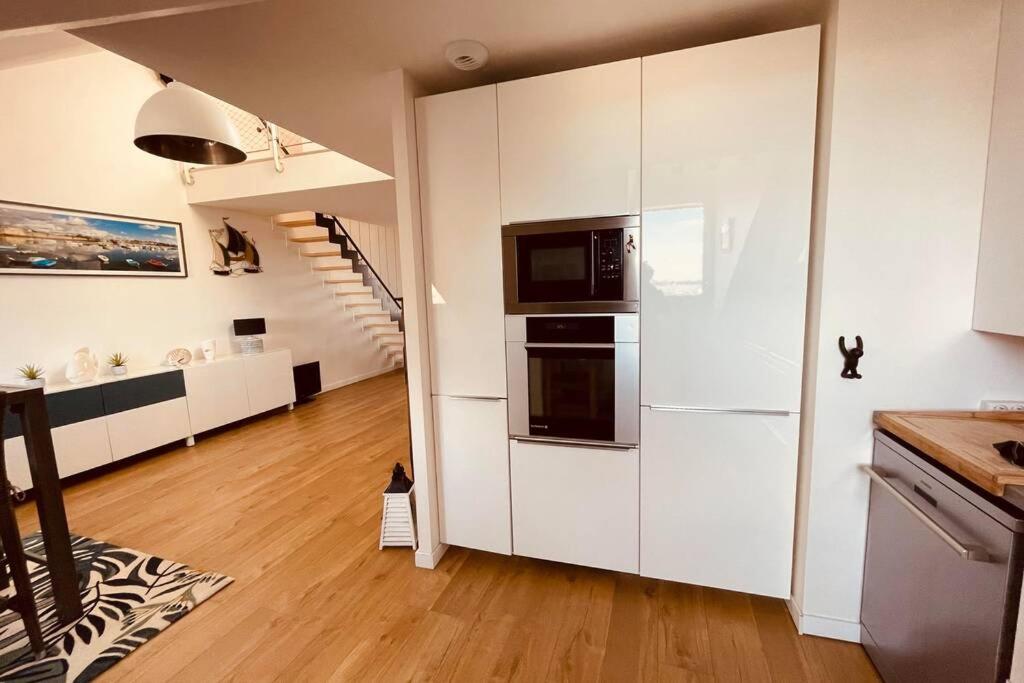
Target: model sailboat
[{"x": 231, "y": 248}]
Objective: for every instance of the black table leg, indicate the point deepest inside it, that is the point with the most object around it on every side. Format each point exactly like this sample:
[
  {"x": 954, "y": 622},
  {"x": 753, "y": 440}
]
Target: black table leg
[{"x": 50, "y": 503}]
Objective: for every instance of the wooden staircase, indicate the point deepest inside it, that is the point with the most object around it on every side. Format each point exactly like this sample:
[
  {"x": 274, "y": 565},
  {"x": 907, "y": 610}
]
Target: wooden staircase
[{"x": 356, "y": 293}]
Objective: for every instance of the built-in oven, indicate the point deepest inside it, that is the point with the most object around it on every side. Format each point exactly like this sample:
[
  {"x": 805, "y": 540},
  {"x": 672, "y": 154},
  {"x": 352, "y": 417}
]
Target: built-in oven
[
  {"x": 586, "y": 265},
  {"x": 574, "y": 379}
]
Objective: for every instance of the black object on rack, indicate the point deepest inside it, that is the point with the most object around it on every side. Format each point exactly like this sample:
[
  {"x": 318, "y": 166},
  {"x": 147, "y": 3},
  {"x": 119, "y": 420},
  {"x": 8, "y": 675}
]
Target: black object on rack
[{"x": 399, "y": 482}]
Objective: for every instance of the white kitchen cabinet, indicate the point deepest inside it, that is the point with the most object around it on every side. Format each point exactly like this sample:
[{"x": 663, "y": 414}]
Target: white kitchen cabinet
[
  {"x": 145, "y": 428},
  {"x": 457, "y": 140},
  {"x": 471, "y": 456},
  {"x": 728, "y": 157},
  {"x": 216, "y": 393},
  {"x": 570, "y": 143},
  {"x": 269, "y": 380},
  {"x": 997, "y": 303},
  {"x": 719, "y": 497},
  {"x": 576, "y": 504}
]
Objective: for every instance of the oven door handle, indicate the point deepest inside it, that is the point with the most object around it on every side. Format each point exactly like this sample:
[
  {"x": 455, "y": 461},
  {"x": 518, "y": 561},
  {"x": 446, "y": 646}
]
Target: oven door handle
[
  {"x": 554, "y": 345},
  {"x": 967, "y": 552},
  {"x": 608, "y": 446},
  {"x": 595, "y": 263}
]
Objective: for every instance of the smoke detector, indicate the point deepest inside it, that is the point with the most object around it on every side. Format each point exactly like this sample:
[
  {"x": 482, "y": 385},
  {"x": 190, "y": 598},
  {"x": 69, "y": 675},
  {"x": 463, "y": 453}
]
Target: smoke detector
[{"x": 466, "y": 55}]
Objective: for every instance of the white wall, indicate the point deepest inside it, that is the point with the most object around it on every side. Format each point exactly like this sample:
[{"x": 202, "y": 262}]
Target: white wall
[
  {"x": 909, "y": 137},
  {"x": 67, "y": 142},
  {"x": 379, "y": 243},
  {"x": 403, "y": 91}
]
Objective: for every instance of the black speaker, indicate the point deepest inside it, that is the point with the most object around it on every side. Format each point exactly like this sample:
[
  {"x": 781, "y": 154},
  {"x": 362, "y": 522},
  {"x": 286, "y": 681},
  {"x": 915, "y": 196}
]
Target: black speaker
[{"x": 307, "y": 381}]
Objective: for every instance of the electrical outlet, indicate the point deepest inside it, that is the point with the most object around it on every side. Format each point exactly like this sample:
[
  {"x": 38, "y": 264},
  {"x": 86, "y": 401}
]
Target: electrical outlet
[{"x": 1002, "y": 405}]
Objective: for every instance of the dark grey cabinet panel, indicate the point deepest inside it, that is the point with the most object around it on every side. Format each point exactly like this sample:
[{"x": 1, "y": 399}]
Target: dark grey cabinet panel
[
  {"x": 63, "y": 408},
  {"x": 74, "y": 405},
  {"x": 142, "y": 391}
]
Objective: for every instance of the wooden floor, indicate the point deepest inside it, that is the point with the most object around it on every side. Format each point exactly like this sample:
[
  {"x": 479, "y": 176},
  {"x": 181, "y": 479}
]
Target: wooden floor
[{"x": 289, "y": 506}]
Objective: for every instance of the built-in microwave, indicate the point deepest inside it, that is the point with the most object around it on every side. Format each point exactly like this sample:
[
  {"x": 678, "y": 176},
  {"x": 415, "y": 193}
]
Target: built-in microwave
[
  {"x": 585, "y": 265},
  {"x": 574, "y": 379}
]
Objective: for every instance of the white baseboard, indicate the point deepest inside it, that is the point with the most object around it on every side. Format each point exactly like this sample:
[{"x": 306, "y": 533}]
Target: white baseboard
[
  {"x": 428, "y": 559},
  {"x": 826, "y": 627},
  {"x": 352, "y": 380}
]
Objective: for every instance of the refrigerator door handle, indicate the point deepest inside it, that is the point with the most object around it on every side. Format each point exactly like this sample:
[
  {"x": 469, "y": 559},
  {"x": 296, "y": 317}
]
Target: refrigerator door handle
[{"x": 727, "y": 411}]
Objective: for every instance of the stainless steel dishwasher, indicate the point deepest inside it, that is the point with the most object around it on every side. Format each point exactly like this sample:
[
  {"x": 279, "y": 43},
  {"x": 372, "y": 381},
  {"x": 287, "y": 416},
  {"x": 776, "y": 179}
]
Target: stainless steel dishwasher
[{"x": 942, "y": 573}]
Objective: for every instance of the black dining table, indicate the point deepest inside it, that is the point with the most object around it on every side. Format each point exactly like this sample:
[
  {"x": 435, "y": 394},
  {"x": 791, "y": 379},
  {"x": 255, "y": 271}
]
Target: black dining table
[{"x": 29, "y": 406}]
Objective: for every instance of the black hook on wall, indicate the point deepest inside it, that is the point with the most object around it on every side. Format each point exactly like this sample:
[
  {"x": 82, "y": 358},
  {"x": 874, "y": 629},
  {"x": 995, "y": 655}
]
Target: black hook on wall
[{"x": 851, "y": 357}]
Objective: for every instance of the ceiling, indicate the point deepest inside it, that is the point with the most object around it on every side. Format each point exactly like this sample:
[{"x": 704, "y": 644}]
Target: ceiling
[
  {"x": 41, "y": 47},
  {"x": 317, "y": 66},
  {"x": 368, "y": 202}
]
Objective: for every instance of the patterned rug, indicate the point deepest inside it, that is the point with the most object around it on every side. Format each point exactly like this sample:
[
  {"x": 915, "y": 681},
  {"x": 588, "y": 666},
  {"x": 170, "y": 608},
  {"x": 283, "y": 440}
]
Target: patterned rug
[{"x": 129, "y": 597}]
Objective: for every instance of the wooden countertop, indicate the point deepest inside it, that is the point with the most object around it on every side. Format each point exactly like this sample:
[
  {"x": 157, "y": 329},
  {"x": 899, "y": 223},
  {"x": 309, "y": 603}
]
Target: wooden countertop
[{"x": 962, "y": 441}]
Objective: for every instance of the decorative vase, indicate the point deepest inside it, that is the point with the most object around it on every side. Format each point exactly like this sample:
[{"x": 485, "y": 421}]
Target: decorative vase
[
  {"x": 119, "y": 369},
  {"x": 82, "y": 367},
  {"x": 209, "y": 349},
  {"x": 34, "y": 383}
]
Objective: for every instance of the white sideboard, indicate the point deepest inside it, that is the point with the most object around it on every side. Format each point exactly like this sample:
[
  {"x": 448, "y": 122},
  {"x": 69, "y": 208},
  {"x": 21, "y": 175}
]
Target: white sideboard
[
  {"x": 112, "y": 418},
  {"x": 233, "y": 388}
]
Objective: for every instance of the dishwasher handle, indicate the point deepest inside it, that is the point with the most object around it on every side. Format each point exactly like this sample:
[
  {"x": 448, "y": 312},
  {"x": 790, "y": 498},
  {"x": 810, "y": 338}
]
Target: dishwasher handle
[{"x": 967, "y": 552}]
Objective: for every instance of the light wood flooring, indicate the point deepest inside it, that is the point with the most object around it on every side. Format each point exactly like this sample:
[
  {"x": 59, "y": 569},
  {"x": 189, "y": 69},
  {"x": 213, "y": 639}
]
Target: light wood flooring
[{"x": 289, "y": 505}]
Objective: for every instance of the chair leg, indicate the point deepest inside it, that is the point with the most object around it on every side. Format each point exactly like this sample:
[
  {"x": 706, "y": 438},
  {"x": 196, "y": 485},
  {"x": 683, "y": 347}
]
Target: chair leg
[
  {"x": 26, "y": 602},
  {"x": 5, "y": 580}
]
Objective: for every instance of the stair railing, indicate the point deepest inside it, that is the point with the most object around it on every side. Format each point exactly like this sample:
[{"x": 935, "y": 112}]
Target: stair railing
[{"x": 337, "y": 234}]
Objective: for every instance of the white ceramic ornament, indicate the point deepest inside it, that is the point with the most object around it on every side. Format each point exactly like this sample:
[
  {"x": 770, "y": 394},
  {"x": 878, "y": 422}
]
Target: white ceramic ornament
[
  {"x": 209, "y": 349},
  {"x": 82, "y": 367},
  {"x": 178, "y": 357}
]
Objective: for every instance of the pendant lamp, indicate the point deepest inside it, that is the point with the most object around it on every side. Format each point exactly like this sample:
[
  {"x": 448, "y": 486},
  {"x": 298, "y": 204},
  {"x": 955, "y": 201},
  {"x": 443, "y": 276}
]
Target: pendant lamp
[{"x": 183, "y": 124}]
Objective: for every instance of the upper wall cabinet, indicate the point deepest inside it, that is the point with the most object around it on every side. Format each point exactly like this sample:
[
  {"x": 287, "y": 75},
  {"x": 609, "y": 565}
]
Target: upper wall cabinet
[
  {"x": 457, "y": 140},
  {"x": 570, "y": 143},
  {"x": 997, "y": 305},
  {"x": 728, "y": 161}
]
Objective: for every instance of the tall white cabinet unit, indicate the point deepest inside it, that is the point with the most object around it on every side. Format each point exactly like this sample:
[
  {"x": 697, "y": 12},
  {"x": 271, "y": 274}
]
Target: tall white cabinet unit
[
  {"x": 457, "y": 139},
  {"x": 727, "y": 161},
  {"x": 570, "y": 143}
]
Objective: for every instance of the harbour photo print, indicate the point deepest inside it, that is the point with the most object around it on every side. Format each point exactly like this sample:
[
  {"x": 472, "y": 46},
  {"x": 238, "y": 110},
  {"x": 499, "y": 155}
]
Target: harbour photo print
[{"x": 40, "y": 240}]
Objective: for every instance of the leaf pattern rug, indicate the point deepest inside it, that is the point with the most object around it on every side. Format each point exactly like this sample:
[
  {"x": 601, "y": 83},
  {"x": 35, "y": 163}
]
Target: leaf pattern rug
[{"x": 128, "y": 598}]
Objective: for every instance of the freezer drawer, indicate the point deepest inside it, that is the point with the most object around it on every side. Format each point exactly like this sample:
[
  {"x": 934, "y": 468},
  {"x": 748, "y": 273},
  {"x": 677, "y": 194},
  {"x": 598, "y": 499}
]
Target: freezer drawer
[{"x": 941, "y": 577}]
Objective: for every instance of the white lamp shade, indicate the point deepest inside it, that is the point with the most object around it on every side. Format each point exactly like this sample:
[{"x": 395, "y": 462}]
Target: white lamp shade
[{"x": 183, "y": 124}]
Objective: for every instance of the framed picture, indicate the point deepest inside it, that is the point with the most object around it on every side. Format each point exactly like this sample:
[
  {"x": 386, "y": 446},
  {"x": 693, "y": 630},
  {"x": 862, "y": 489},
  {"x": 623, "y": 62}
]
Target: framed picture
[{"x": 44, "y": 240}]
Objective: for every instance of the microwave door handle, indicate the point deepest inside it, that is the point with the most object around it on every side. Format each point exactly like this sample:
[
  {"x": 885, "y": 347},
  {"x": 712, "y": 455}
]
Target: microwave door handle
[{"x": 595, "y": 255}]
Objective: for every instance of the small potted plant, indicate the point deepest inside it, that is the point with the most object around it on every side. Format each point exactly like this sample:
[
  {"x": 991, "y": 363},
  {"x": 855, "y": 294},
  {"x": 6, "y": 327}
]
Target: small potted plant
[
  {"x": 118, "y": 363},
  {"x": 32, "y": 375}
]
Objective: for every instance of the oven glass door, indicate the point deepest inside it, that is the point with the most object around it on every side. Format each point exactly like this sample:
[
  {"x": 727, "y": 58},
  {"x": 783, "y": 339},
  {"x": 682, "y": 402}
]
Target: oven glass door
[
  {"x": 572, "y": 391},
  {"x": 555, "y": 267}
]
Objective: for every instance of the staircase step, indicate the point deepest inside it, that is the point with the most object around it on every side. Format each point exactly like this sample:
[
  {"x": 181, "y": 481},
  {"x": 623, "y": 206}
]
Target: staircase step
[
  {"x": 318, "y": 254},
  {"x": 298, "y": 223},
  {"x": 353, "y": 278},
  {"x": 309, "y": 239},
  {"x": 362, "y": 304},
  {"x": 396, "y": 343},
  {"x": 354, "y": 292},
  {"x": 371, "y": 314},
  {"x": 383, "y": 332},
  {"x": 337, "y": 266}
]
